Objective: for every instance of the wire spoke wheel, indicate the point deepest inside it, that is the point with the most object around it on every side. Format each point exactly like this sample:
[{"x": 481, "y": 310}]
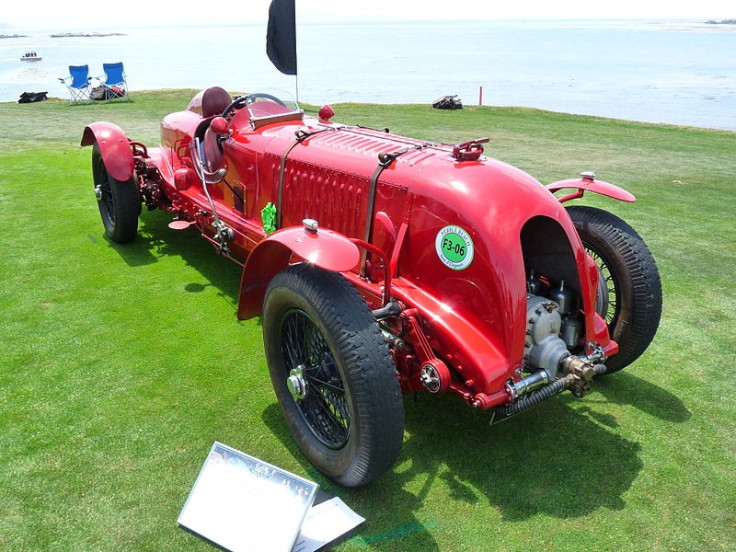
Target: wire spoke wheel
[
  {"x": 119, "y": 202},
  {"x": 103, "y": 191},
  {"x": 607, "y": 302},
  {"x": 629, "y": 288},
  {"x": 332, "y": 374},
  {"x": 323, "y": 406}
]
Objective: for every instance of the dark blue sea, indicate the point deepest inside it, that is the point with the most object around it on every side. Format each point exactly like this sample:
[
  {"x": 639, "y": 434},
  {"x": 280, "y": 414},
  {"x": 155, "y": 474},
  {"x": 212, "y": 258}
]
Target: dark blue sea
[{"x": 674, "y": 72}]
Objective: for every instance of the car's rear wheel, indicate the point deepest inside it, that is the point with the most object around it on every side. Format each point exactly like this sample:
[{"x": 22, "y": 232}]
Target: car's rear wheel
[
  {"x": 332, "y": 374},
  {"x": 630, "y": 290},
  {"x": 119, "y": 202}
]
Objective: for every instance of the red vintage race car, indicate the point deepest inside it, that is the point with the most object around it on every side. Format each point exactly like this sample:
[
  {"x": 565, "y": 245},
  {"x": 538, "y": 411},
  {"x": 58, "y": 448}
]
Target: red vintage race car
[{"x": 384, "y": 265}]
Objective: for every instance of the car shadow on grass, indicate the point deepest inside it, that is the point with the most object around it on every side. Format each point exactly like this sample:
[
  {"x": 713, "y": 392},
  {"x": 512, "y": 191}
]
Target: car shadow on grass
[
  {"x": 555, "y": 459},
  {"x": 552, "y": 460},
  {"x": 628, "y": 389},
  {"x": 156, "y": 240}
]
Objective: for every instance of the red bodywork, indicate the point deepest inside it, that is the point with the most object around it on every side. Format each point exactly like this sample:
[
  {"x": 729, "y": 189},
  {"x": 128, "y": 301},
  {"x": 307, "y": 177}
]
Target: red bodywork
[{"x": 384, "y": 205}]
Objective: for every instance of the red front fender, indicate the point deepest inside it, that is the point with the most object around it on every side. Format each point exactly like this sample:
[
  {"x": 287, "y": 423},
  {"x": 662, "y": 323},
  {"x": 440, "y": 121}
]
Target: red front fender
[
  {"x": 323, "y": 248},
  {"x": 587, "y": 182},
  {"x": 114, "y": 148}
]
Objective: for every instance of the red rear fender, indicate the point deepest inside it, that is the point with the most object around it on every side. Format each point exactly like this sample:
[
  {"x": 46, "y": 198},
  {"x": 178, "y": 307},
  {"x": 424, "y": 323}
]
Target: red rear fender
[
  {"x": 588, "y": 183},
  {"x": 323, "y": 248},
  {"x": 114, "y": 148}
]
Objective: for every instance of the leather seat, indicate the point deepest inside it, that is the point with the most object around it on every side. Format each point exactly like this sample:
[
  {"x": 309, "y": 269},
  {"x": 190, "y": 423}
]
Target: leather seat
[{"x": 210, "y": 102}]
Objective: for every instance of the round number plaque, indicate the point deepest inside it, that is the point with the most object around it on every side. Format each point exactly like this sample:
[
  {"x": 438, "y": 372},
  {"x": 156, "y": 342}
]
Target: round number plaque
[{"x": 454, "y": 247}]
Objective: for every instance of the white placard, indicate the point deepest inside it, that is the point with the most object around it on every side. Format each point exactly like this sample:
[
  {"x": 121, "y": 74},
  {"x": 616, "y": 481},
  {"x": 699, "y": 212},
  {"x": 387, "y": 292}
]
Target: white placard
[
  {"x": 244, "y": 504},
  {"x": 324, "y": 523}
]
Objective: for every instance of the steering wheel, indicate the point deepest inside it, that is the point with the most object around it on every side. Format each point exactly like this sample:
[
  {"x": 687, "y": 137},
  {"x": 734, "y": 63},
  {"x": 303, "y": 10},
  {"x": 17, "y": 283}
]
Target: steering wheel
[
  {"x": 248, "y": 99},
  {"x": 237, "y": 103},
  {"x": 251, "y": 98}
]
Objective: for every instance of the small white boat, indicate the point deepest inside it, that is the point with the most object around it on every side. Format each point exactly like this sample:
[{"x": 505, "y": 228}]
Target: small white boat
[{"x": 31, "y": 56}]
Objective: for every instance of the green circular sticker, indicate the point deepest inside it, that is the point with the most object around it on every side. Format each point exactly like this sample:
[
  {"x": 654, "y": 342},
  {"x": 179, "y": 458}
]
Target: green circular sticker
[{"x": 454, "y": 247}]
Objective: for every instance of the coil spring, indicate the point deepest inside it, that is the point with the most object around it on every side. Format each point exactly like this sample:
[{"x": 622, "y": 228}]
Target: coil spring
[{"x": 532, "y": 399}]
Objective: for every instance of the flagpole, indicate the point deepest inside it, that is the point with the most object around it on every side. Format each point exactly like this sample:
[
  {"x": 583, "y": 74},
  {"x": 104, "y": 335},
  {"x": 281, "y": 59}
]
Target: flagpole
[{"x": 296, "y": 63}]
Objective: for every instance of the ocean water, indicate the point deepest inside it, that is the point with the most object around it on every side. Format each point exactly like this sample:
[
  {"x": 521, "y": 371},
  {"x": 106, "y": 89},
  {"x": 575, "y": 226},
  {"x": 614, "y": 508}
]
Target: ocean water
[{"x": 664, "y": 72}]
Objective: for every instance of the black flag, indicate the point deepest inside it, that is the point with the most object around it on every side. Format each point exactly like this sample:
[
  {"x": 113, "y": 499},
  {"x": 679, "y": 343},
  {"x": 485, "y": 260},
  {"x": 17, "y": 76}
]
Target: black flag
[{"x": 281, "y": 36}]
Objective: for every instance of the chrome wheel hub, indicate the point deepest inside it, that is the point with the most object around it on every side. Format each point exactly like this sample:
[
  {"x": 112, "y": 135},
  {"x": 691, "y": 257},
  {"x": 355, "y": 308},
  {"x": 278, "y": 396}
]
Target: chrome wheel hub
[{"x": 296, "y": 383}]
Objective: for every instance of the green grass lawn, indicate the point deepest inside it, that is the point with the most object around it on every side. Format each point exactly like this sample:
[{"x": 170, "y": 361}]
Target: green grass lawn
[{"x": 122, "y": 364}]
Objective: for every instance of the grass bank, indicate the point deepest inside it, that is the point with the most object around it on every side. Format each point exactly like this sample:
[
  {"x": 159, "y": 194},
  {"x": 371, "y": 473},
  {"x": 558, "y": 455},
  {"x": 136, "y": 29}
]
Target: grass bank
[{"x": 121, "y": 365}]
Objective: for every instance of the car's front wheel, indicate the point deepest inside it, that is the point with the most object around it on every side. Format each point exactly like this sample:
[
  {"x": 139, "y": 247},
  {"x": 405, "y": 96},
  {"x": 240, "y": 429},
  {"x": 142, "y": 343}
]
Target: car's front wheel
[
  {"x": 119, "y": 202},
  {"x": 630, "y": 290},
  {"x": 332, "y": 374}
]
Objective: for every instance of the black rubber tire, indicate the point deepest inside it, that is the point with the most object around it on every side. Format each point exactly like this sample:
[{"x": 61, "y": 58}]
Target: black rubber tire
[
  {"x": 634, "y": 304},
  {"x": 316, "y": 319},
  {"x": 119, "y": 202}
]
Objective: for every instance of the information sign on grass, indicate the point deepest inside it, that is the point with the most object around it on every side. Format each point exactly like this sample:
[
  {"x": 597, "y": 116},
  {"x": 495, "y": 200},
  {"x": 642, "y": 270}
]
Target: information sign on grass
[{"x": 242, "y": 503}]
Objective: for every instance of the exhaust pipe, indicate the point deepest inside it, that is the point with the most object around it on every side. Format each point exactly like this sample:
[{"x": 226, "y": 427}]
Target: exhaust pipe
[{"x": 578, "y": 374}]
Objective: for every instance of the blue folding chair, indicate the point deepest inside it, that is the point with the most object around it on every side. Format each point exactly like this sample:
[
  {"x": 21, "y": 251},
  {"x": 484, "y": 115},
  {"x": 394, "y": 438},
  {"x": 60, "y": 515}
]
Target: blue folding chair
[
  {"x": 116, "y": 87},
  {"x": 77, "y": 83}
]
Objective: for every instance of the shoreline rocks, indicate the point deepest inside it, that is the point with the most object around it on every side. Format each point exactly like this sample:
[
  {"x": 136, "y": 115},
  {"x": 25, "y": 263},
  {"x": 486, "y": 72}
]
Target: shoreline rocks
[{"x": 84, "y": 35}]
